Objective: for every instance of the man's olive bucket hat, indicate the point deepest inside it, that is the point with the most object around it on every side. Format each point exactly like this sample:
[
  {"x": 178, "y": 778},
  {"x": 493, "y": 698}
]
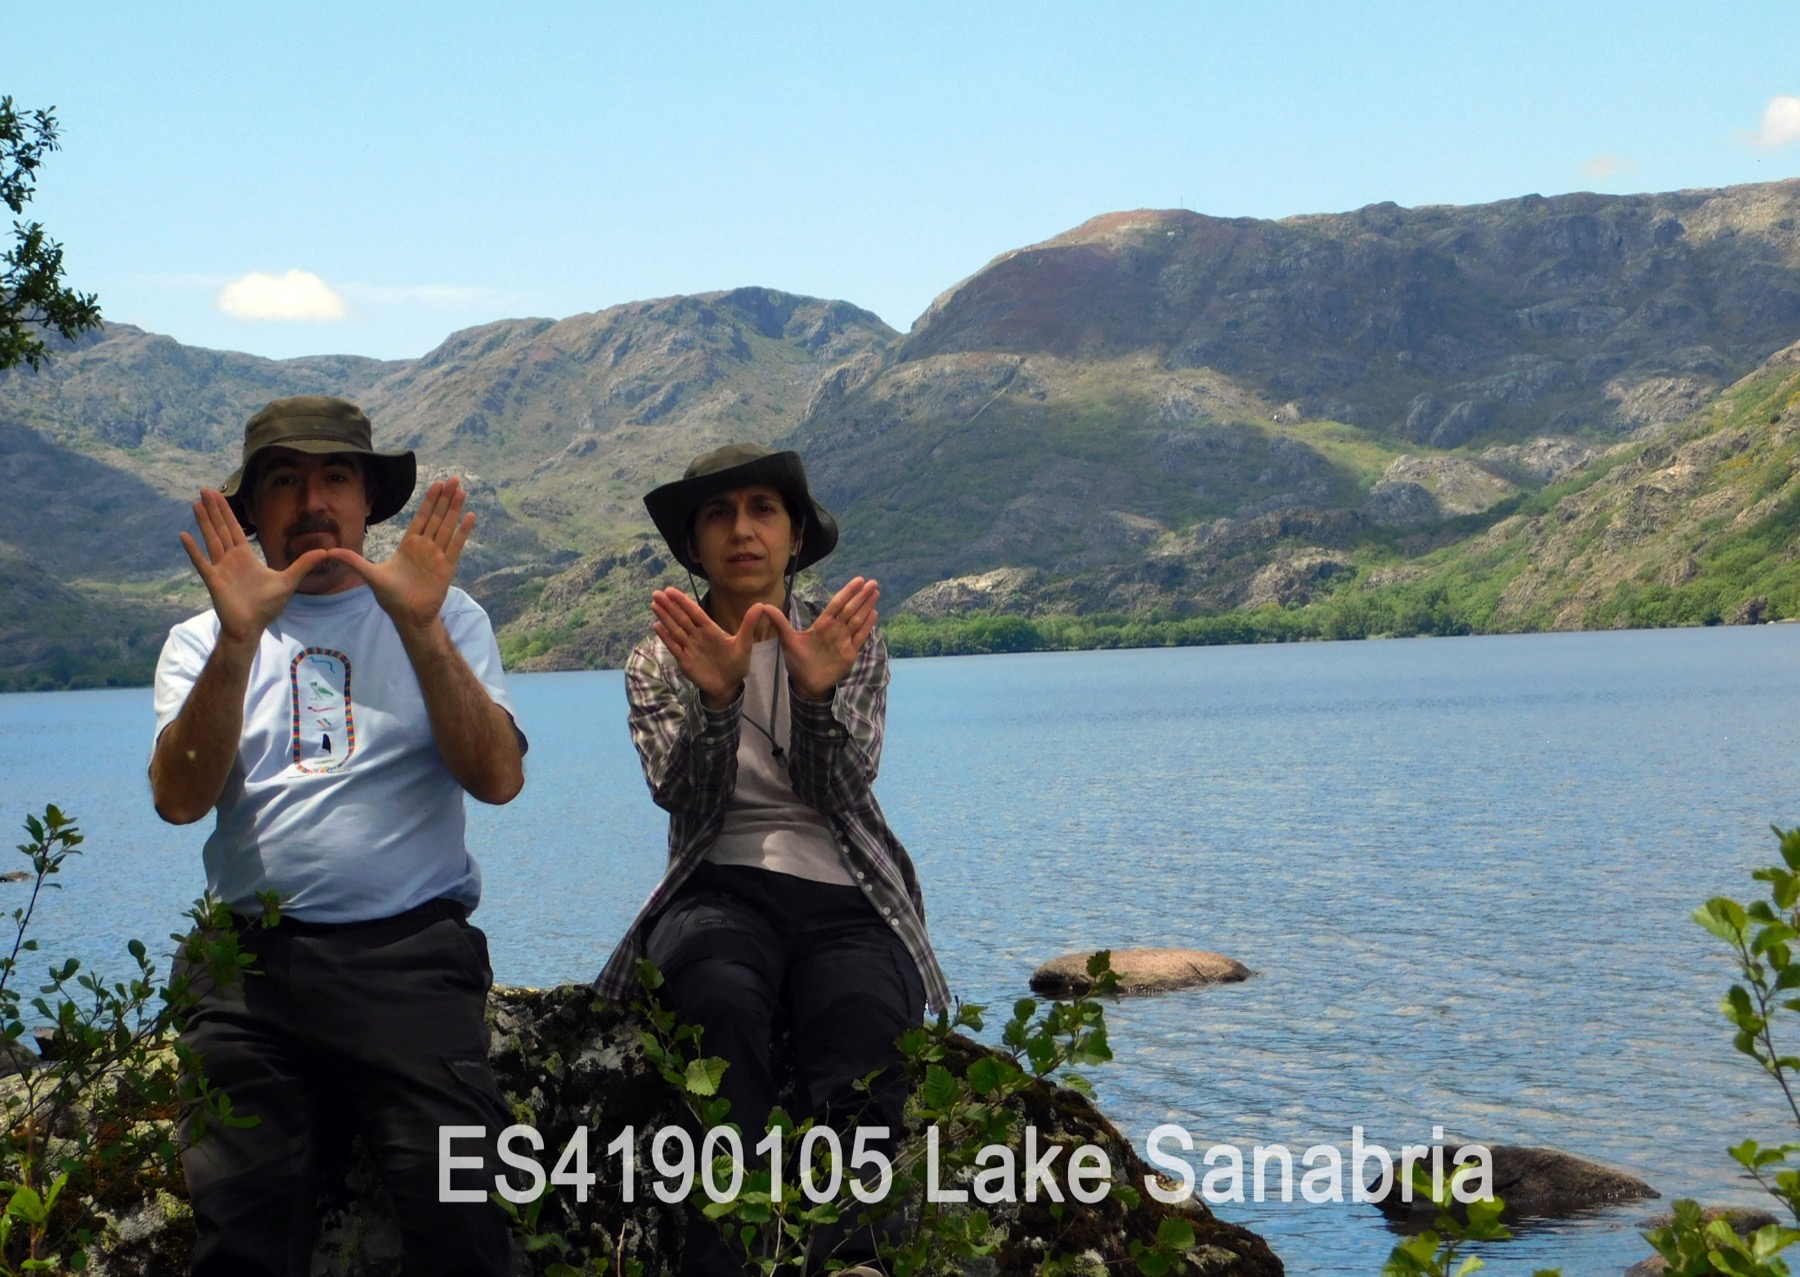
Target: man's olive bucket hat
[
  {"x": 322, "y": 425},
  {"x": 740, "y": 465}
]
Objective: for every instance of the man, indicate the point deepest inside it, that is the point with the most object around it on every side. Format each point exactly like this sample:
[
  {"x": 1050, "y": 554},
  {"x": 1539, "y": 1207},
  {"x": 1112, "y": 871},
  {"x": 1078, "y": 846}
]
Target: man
[{"x": 333, "y": 711}]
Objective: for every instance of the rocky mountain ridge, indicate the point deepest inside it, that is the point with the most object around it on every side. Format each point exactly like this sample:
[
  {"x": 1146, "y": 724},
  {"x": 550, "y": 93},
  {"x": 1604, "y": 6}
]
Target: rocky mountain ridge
[{"x": 1157, "y": 412}]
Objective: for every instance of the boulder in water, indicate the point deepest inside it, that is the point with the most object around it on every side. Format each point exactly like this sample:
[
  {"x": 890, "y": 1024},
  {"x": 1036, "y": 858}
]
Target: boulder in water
[{"x": 1139, "y": 971}]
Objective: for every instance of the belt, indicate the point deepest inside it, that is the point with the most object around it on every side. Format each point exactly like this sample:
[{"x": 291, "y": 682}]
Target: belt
[{"x": 418, "y": 916}]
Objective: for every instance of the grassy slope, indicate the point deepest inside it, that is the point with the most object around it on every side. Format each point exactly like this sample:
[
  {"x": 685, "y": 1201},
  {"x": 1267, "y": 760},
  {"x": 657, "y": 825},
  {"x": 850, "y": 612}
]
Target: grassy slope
[
  {"x": 1696, "y": 528},
  {"x": 62, "y": 636},
  {"x": 1701, "y": 526}
]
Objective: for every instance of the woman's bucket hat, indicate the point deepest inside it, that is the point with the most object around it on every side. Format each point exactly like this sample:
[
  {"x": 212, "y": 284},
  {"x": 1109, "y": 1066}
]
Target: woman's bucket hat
[
  {"x": 323, "y": 425},
  {"x": 740, "y": 465}
]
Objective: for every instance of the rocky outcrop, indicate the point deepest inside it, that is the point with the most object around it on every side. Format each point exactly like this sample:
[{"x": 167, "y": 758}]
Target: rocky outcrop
[
  {"x": 1457, "y": 486},
  {"x": 1539, "y": 461},
  {"x": 1139, "y": 971},
  {"x": 1401, "y": 505},
  {"x": 1001, "y": 590},
  {"x": 1297, "y": 577},
  {"x": 566, "y": 1061},
  {"x": 1531, "y": 1181}
]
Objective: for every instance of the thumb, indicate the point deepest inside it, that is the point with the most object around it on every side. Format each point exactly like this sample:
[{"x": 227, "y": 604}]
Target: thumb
[
  {"x": 778, "y": 619},
  {"x": 304, "y": 564},
  {"x": 744, "y": 637}
]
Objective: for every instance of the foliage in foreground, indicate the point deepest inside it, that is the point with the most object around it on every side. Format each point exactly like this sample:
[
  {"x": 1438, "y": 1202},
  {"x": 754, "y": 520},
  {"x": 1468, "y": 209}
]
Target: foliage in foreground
[
  {"x": 1437, "y": 1250},
  {"x": 1761, "y": 935},
  {"x": 32, "y": 295},
  {"x": 962, "y": 1103},
  {"x": 75, "y": 1135}
]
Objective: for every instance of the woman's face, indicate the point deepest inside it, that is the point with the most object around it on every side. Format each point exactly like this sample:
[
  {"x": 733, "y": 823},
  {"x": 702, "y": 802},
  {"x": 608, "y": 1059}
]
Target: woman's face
[{"x": 743, "y": 540}]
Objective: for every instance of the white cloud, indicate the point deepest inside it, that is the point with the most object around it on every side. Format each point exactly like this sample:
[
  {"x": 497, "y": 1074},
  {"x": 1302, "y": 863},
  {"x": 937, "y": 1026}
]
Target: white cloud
[
  {"x": 297, "y": 296},
  {"x": 1598, "y": 168},
  {"x": 1780, "y": 123}
]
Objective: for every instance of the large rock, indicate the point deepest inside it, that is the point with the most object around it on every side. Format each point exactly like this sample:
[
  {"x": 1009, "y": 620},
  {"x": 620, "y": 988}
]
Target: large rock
[
  {"x": 996, "y": 591},
  {"x": 1541, "y": 460},
  {"x": 1456, "y": 485},
  {"x": 1297, "y": 577},
  {"x": 567, "y": 1061},
  {"x": 1140, "y": 971},
  {"x": 1531, "y": 1181},
  {"x": 1402, "y": 505}
]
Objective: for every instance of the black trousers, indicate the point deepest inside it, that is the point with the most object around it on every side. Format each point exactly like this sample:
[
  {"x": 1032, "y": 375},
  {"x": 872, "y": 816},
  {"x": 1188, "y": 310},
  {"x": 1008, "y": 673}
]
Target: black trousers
[
  {"x": 738, "y": 945},
  {"x": 372, "y": 1028}
]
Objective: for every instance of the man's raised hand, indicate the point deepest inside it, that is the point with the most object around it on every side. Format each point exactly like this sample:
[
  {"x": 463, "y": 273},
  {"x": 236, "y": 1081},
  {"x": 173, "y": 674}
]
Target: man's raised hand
[
  {"x": 819, "y": 656},
  {"x": 716, "y": 662},
  {"x": 412, "y": 583},
  {"x": 246, "y": 593}
]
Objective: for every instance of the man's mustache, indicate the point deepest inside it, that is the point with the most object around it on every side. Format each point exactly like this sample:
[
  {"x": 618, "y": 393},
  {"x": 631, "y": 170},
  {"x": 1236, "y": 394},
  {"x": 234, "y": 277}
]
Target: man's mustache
[{"x": 313, "y": 523}]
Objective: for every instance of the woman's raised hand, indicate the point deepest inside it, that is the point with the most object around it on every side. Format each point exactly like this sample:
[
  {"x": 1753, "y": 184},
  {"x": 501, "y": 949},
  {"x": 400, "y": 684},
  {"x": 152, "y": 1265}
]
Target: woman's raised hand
[
  {"x": 716, "y": 661},
  {"x": 819, "y": 656}
]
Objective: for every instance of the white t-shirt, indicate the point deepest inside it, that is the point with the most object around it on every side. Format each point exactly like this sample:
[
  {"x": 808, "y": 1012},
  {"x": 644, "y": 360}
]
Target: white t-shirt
[
  {"x": 766, "y": 824},
  {"x": 338, "y": 799}
]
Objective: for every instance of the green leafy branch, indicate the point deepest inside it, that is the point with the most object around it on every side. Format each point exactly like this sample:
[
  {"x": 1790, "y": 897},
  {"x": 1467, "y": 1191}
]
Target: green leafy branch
[
  {"x": 1761, "y": 935},
  {"x": 75, "y": 1122}
]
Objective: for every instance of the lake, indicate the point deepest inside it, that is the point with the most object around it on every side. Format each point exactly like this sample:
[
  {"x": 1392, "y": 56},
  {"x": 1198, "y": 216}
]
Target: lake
[{"x": 1462, "y": 870}]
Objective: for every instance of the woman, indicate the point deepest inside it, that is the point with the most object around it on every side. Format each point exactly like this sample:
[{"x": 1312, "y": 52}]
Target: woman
[{"x": 759, "y": 720}]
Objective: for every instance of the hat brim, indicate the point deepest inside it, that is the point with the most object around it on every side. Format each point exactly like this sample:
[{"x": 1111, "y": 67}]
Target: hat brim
[
  {"x": 672, "y": 506},
  {"x": 396, "y": 475}
]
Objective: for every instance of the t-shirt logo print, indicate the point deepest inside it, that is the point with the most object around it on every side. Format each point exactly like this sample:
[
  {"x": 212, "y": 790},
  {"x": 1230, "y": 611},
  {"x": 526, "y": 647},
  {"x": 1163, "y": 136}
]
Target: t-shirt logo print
[{"x": 324, "y": 735}]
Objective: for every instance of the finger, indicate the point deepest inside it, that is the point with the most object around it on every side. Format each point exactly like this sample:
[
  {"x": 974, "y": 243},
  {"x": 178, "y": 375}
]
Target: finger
[
  {"x": 458, "y": 536},
  {"x": 202, "y": 565},
  {"x": 689, "y": 608},
  {"x": 671, "y": 639},
  {"x": 783, "y": 627},
  {"x": 449, "y": 515},
  {"x": 683, "y": 629},
  {"x": 311, "y": 559},
  {"x": 861, "y": 602},
  {"x": 231, "y": 532},
  {"x": 206, "y": 519},
  {"x": 700, "y": 621},
  {"x": 859, "y": 634},
  {"x": 427, "y": 511},
  {"x": 842, "y": 598},
  {"x": 745, "y": 637},
  {"x": 349, "y": 558},
  {"x": 204, "y": 525},
  {"x": 667, "y": 613}
]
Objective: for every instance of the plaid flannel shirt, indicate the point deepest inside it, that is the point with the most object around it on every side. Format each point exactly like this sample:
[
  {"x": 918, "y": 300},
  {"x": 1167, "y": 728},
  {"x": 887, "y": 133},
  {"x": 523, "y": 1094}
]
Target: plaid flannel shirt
[{"x": 689, "y": 754}]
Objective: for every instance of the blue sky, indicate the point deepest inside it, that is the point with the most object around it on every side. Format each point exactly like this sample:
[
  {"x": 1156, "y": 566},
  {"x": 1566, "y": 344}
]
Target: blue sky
[{"x": 384, "y": 174}]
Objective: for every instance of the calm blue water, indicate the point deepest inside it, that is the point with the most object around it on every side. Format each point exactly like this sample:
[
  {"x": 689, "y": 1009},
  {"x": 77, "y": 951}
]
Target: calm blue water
[{"x": 1462, "y": 868}]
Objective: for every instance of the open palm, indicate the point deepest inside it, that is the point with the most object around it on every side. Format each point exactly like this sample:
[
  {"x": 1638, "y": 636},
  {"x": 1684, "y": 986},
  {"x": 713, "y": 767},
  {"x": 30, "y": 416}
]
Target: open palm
[
  {"x": 819, "y": 656},
  {"x": 412, "y": 583},
  {"x": 247, "y": 594},
  {"x": 715, "y": 661}
]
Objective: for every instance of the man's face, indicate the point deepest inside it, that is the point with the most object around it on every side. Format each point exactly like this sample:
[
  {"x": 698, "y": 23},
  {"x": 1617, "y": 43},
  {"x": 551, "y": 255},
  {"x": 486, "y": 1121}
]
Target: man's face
[
  {"x": 743, "y": 540},
  {"x": 300, "y": 502}
]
